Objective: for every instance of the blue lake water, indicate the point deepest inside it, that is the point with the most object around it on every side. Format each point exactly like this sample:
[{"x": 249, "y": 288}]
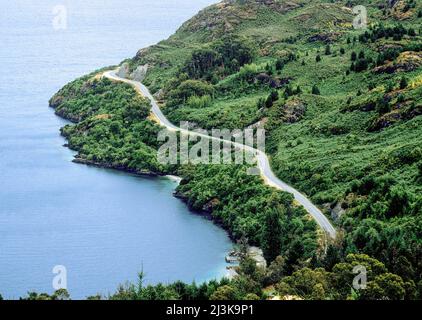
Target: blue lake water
[{"x": 102, "y": 225}]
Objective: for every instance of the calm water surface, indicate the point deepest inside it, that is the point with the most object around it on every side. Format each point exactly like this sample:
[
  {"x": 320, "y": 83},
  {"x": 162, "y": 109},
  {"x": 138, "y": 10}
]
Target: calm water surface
[{"x": 104, "y": 226}]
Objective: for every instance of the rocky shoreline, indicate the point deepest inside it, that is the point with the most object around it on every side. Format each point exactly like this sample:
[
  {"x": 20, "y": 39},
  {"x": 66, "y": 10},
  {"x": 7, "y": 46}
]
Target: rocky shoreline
[
  {"x": 205, "y": 212},
  {"x": 233, "y": 258},
  {"x": 141, "y": 173}
]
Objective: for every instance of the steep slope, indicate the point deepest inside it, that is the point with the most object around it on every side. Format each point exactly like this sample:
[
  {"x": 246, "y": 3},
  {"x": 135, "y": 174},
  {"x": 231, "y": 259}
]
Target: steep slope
[
  {"x": 341, "y": 105},
  {"x": 342, "y": 111}
]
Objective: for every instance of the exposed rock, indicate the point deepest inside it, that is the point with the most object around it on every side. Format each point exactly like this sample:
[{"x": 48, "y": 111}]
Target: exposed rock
[
  {"x": 401, "y": 112},
  {"x": 365, "y": 106},
  {"x": 258, "y": 255},
  {"x": 399, "y": 12},
  {"x": 324, "y": 37},
  {"x": 159, "y": 95},
  {"x": 407, "y": 61},
  {"x": 254, "y": 252},
  {"x": 142, "y": 172},
  {"x": 273, "y": 82},
  {"x": 258, "y": 125},
  {"x": 337, "y": 211},
  {"x": 263, "y": 78},
  {"x": 388, "y": 46},
  {"x": 413, "y": 112},
  {"x": 55, "y": 101},
  {"x": 209, "y": 207},
  {"x": 142, "y": 53},
  {"x": 140, "y": 73},
  {"x": 219, "y": 18},
  {"x": 386, "y": 120},
  {"x": 293, "y": 111},
  {"x": 223, "y": 17}
]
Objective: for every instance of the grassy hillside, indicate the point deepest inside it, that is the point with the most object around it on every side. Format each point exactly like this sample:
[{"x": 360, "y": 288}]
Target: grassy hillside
[
  {"x": 343, "y": 124},
  {"x": 112, "y": 130}
]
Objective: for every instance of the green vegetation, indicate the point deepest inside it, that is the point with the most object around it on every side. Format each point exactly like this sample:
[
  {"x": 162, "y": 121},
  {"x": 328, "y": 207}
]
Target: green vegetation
[
  {"x": 114, "y": 132},
  {"x": 342, "y": 110},
  {"x": 112, "y": 129},
  {"x": 274, "y": 282},
  {"x": 243, "y": 204}
]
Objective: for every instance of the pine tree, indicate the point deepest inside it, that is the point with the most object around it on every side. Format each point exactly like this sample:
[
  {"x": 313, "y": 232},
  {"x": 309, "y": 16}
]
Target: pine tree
[
  {"x": 274, "y": 95},
  {"x": 315, "y": 90},
  {"x": 271, "y": 98},
  {"x": 279, "y": 65},
  {"x": 272, "y": 234},
  {"x": 332, "y": 257},
  {"x": 269, "y": 69},
  {"x": 403, "y": 83},
  {"x": 268, "y": 102},
  {"x": 327, "y": 50},
  {"x": 261, "y": 103}
]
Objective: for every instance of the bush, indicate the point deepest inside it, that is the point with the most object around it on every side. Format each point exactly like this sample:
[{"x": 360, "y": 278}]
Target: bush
[
  {"x": 224, "y": 293},
  {"x": 248, "y": 72},
  {"x": 191, "y": 88},
  {"x": 200, "y": 102}
]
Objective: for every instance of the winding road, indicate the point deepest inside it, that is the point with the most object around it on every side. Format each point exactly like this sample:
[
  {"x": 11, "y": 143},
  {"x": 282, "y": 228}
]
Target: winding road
[{"x": 262, "y": 159}]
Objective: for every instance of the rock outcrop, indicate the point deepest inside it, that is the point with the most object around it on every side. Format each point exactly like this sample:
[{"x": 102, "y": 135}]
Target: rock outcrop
[
  {"x": 140, "y": 73},
  {"x": 407, "y": 61}
]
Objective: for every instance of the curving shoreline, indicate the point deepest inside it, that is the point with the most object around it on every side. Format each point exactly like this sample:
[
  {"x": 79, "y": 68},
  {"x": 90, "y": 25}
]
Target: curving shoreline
[{"x": 263, "y": 161}]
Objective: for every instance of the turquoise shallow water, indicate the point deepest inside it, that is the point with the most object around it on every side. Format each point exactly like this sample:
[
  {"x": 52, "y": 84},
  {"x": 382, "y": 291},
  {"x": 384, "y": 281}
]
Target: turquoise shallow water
[{"x": 102, "y": 225}]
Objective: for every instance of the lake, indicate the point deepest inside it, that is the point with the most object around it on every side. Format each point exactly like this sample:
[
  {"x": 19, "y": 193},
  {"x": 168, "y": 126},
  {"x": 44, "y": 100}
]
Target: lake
[{"x": 104, "y": 226}]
